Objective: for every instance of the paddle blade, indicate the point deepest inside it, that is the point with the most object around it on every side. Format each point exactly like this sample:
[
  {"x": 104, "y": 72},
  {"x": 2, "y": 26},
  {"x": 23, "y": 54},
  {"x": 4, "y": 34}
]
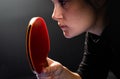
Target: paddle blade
[{"x": 37, "y": 43}]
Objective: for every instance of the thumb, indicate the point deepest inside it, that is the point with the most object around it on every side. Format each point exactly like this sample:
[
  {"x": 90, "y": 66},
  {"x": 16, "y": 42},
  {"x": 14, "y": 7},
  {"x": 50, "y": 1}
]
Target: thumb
[{"x": 54, "y": 68}]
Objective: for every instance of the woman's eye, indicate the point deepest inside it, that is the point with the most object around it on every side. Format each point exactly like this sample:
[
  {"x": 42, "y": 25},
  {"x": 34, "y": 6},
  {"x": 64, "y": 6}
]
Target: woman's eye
[{"x": 63, "y": 2}]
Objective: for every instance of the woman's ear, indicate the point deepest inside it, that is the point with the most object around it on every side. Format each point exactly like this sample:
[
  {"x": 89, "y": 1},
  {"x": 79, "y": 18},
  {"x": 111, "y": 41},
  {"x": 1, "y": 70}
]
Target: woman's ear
[{"x": 98, "y": 3}]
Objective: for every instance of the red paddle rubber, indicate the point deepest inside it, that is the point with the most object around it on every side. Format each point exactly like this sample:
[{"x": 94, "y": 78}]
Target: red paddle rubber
[{"x": 37, "y": 44}]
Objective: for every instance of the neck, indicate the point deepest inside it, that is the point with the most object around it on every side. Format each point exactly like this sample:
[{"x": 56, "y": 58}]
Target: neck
[{"x": 101, "y": 23}]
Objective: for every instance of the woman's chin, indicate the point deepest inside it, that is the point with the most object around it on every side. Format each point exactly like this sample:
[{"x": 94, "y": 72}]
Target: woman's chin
[
  {"x": 70, "y": 35},
  {"x": 67, "y": 35}
]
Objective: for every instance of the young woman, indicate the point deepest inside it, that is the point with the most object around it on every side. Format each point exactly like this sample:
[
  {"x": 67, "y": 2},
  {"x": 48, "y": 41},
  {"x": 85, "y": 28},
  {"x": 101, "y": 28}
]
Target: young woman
[{"x": 75, "y": 17}]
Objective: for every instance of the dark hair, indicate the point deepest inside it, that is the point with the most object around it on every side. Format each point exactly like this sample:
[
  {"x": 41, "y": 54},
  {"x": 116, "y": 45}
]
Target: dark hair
[
  {"x": 99, "y": 4},
  {"x": 96, "y": 4}
]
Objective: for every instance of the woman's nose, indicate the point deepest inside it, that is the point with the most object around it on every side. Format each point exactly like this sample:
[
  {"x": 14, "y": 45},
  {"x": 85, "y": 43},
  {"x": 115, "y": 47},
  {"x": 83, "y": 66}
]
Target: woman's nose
[{"x": 57, "y": 13}]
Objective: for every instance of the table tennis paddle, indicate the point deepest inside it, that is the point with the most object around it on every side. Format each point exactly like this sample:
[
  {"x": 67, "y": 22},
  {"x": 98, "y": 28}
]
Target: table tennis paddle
[{"x": 37, "y": 44}]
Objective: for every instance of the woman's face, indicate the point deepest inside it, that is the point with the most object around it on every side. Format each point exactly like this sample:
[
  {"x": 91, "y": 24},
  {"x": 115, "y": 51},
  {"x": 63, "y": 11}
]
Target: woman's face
[{"x": 73, "y": 16}]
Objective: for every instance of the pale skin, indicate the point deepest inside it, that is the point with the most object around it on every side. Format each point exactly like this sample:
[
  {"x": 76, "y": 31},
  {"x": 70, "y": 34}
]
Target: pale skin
[
  {"x": 74, "y": 17},
  {"x": 55, "y": 70}
]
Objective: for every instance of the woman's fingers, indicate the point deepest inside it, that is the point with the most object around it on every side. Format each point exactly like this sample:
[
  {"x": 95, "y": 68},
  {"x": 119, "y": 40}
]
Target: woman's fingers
[
  {"x": 53, "y": 71},
  {"x": 50, "y": 61}
]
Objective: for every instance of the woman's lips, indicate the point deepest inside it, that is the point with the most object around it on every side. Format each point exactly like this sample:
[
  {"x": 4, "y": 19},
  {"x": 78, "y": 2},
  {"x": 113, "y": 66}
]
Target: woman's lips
[{"x": 64, "y": 27}]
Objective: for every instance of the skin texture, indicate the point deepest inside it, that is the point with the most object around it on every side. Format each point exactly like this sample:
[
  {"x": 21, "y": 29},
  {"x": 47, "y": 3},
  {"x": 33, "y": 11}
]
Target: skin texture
[
  {"x": 74, "y": 17},
  {"x": 55, "y": 70}
]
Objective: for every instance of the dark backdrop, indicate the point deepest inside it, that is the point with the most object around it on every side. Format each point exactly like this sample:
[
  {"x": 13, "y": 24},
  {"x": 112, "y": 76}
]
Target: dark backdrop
[{"x": 14, "y": 18}]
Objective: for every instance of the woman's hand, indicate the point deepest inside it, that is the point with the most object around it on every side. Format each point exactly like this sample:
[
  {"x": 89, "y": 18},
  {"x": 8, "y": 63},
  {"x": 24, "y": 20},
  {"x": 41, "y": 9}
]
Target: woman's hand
[{"x": 55, "y": 70}]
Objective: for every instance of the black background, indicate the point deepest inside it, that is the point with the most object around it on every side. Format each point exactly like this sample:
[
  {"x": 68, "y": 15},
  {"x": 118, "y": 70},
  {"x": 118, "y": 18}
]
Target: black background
[{"x": 14, "y": 18}]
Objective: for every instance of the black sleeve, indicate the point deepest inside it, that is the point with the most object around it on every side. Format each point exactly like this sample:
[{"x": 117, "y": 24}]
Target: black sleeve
[{"x": 96, "y": 59}]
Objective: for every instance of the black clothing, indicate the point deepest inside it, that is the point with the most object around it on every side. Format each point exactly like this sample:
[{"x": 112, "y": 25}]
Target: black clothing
[
  {"x": 100, "y": 56},
  {"x": 102, "y": 53}
]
